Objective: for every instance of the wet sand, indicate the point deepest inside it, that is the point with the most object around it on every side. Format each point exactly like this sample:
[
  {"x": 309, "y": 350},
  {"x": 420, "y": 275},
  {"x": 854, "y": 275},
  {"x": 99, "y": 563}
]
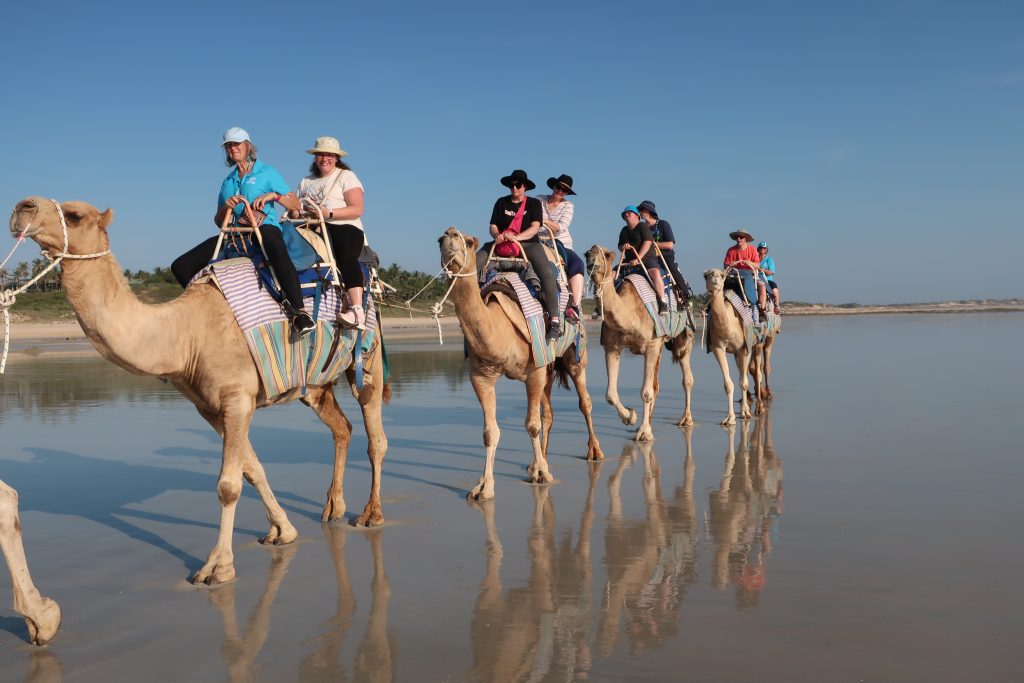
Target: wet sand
[{"x": 862, "y": 530}]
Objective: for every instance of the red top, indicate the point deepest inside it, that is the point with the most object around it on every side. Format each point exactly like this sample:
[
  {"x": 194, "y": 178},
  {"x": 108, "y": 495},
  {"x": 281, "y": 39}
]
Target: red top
[{"x": 748, "y": 253}]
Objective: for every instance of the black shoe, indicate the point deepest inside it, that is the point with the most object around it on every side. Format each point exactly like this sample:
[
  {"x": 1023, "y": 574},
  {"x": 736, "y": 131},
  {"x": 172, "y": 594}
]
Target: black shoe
[
  {"x": 303, "y": 324},
  {"x": 662, "y": 307},
  {"x": 554, "y": 330}
]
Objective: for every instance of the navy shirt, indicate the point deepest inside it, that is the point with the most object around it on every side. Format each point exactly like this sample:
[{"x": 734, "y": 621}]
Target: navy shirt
[
  {"x": 661, "y": 231},
  {"x": 635, "y": 237}
]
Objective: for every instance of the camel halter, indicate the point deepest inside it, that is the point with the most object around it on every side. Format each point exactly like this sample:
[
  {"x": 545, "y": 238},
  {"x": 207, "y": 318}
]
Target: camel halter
[
  {"x": 9, "y": 296},
  {"x": 435, "y": 310}
]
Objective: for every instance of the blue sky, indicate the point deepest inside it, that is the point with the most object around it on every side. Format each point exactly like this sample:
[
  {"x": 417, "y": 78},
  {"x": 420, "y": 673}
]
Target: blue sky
[{"x": 877, "y": 146}]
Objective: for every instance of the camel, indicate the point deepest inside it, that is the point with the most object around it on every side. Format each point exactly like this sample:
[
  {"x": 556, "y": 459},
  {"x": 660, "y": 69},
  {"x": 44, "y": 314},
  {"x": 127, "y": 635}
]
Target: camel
[
  {"x": 42, "y": 615},
  {"x": 725, "y": 335},
  {"x": 195, "y": 343},
  {"x": 627, "y": 325},
  {"x": 761, "y": 362},
  {"x": 498, "y": 345}
]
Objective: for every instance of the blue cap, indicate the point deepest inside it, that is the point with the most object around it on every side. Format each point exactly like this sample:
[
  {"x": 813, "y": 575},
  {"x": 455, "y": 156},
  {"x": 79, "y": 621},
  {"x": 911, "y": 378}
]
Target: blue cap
[
  {"x": 762, "y": 245},
  {"x": 630, "y": 208}
]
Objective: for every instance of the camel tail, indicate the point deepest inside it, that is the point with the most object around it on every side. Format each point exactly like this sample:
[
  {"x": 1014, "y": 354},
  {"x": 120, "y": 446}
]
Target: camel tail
[{"x": 562, "y": 373}]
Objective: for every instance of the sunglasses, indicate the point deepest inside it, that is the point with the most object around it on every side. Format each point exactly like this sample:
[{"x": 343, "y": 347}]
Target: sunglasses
[{"x": 518, "y": 185}]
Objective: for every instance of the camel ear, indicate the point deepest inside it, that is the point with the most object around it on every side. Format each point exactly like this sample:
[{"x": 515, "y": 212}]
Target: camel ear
[
  {"x": 106, "y": 218},
  {"x": 609, "y": 255},
  {"x": 708, "y": 272},
  {"x": 472, "y": 243}
]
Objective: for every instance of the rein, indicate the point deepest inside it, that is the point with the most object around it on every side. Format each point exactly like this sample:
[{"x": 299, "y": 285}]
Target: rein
[
  {"x": 435, "y": 310},
  {"x": 9, "y": 296}
]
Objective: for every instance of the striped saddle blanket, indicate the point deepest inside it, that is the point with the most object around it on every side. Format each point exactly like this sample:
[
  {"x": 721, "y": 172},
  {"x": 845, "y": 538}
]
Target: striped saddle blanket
[
  {"x": 318, "y": 358},
  {"x": 544, "y": 353},
  {"x": 669, "y": 324},
  {"x": 753, "y": 332}
]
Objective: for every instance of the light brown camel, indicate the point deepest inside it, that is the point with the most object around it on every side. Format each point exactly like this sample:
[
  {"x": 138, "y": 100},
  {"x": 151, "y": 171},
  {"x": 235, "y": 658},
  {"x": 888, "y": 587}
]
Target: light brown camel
[
  {"x": 498, "y": 342},
  {"x": 42, "y": 615},
  {"x": 195, "y": 343},
  {"x": 761, "y": 361},
  {"x": 628, "y": 325},
  {"x": 725, "y": 335}
]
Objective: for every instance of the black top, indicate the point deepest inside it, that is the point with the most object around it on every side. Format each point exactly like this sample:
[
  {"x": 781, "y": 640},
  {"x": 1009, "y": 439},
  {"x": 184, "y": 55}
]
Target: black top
[
  {"x": 635, "y": 237},
  {"x": 505, "y": 210},
  {"x": 661, "y": 231}
]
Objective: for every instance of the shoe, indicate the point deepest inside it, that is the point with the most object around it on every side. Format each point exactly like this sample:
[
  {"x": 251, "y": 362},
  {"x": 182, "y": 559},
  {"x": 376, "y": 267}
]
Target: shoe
[
  {"x": 353, "y": 318},
  {"x": 662, "y": 307},
  {"x": 572, "y": 314},
  {"x": 303, "y": 324},
  {"x": 554, "y": 330}
]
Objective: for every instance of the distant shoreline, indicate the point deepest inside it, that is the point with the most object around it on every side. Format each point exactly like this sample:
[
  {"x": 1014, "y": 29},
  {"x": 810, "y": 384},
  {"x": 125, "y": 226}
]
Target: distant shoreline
[{"x": 27, "y": 334}]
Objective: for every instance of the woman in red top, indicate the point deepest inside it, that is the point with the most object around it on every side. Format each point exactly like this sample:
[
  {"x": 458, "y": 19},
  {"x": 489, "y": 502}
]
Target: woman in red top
[{"x": 745, "y": 259}]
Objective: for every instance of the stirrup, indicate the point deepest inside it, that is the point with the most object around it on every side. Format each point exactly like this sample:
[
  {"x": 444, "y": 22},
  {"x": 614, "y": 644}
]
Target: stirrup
[{"x": 353, "y": 318}]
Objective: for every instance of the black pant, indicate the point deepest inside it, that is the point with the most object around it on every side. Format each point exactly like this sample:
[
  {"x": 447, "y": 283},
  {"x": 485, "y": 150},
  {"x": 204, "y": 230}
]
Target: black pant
[
  {"x": 195, "y": 259},
  {"x": 538, "y": 258},
  {"x": 347, "y": 244},
  {"x": 681, "y": 284}
]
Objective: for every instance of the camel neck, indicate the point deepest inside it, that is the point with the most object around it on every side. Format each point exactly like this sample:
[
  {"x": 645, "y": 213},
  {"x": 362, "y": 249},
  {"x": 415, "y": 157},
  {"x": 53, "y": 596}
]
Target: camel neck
[{"x": 478, "y": 325}]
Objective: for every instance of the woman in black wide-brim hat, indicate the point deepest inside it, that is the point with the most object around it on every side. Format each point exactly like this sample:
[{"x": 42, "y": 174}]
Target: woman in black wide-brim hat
[
  {"x": 558, "y": 213},
  {"x": 516, "y": 219}
]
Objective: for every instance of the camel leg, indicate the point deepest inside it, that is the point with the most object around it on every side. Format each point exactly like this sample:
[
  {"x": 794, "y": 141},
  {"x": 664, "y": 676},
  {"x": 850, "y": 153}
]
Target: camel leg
[
  {"x": 742, "y": 361},
  {"x": 371, "y": 402},
  {"x": 281, "y": 530},
  {"x": 612, "y": 358},
  {"x": 686, "y": 340},
  {"x": 547, "y": 414},
  {"x": 237, "y": 455},
  {"x": 723, "y": 363},
  {"x": 755, "y": 373},
  {"x": 537, "y": 472},
  {"x": 649, "y": 391},
  {"x": 769, "y": 344},
  {"x": 484, "y": 388},
  {"x": 42, "y": 615},
  {"x": 578, "y": 373},
  {"x": 325, "y": 404}
]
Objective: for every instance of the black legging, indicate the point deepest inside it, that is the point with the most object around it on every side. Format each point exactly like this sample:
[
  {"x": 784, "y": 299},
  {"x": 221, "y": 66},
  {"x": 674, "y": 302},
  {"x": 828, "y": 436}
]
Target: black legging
[
  {"x": 538, "y": 258},
  {"x": 195, "y": 259},
  {"x": 347, "y": 244}
]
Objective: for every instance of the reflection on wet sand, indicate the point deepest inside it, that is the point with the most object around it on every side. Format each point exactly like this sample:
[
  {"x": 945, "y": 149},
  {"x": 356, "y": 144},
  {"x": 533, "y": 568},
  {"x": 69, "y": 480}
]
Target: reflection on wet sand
[
  {"x": 652, "y": 561},
  {"x": 744, "y": 509},
  {"x": 43, "y": 667},
  {"x": 374, "y": 660},
  {"x": 538, "y": 631}
]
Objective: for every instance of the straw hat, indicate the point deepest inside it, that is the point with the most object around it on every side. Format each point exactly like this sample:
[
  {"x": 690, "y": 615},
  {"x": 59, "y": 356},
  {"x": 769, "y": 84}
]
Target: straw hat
[
  {"x": 741, "y": 233},
  {"x": 327, "y": 145}
]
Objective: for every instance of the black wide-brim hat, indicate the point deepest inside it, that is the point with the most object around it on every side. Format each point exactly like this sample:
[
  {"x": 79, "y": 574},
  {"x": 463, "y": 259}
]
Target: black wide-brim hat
[
  {"x": 518, "y": 176},
  {"x": 564, "y": 180}
]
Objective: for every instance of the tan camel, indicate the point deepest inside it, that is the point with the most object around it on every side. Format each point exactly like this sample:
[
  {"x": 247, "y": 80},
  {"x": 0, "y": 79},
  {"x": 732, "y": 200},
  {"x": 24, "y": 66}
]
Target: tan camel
[
  {"x": 627, "y": 325},
  {"x": 195, "y": 343},
  {"x": 761, "y": 362},
  {"x": 498, "y": 343},
  {"x": 725, "y": 335},
  {"x": 42, "y": 615}
]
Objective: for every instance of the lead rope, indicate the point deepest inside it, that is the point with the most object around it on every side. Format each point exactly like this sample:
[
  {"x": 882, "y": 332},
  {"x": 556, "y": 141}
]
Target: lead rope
[
  {"x": 435, "y": 309},
  {"x": 9, "y": 296}
]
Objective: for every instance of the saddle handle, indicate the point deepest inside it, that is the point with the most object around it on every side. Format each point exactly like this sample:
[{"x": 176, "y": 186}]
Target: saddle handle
[{"x": 225, "y": 225}]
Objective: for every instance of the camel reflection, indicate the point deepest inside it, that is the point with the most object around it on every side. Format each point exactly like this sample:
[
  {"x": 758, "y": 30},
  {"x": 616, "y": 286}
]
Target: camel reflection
[
  {"x": 651, "y": 561},
  {"x": 376, "y": 651},
  {"x": 538, "y": 631},
  {"x": 743, "y": 511},
  {"x": 43, "y": 667}
]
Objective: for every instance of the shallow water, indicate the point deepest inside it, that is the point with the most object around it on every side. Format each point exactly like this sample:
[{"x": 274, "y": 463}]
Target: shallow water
[{"x": 861, "y": 530}]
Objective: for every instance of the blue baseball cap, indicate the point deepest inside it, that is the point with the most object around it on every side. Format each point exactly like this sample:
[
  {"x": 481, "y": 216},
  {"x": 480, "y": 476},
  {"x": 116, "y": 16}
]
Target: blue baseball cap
[
  {"x": 629, "y": 208},
  {"x": 762, "y": 245}
]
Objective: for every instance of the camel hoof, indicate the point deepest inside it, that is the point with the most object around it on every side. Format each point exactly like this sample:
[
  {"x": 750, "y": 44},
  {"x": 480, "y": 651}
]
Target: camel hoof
[
  {"x": 333, "y": 511},
  {"x": 595, "y": 453},
  {"x": 685, "y": 421},
  {"x": 631, "y": 418},
  {"x": 643, "y": 435},
  {"x": 369, "y": 520},
  {"x": 213, "y": 575},
  {"x": 729, "y": 421},
  {"x": 480, "y": 494},
  {"x": 279, "y": 536},
  {"x": 43, "y": 627}
]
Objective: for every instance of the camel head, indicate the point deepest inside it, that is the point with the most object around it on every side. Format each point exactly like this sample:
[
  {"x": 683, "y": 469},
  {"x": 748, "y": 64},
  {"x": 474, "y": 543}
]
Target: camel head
[
  {"x": 458, "y": 251},
  {"x": 599, "y": 262},
  {"x": 714, "y": 279},
  {"x": 39, "y": 219}
]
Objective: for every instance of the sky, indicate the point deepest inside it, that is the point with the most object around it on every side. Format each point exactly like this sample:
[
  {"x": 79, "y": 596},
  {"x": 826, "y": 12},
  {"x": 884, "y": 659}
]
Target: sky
[{"x": 877, "y": 146}]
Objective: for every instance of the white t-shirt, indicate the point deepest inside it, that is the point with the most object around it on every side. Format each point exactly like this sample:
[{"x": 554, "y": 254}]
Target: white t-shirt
[{"x": 315, "y": 188}]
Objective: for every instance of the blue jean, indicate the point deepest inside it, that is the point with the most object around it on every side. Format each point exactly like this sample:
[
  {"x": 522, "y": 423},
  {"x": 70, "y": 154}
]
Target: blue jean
[{"x": 749, "y": 285}]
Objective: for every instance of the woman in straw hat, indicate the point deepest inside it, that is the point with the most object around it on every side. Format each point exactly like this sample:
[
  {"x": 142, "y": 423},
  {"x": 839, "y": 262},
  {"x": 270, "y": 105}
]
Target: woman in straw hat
[
  {"x": 558, "y": 212},
  {"x": 515, "y": 220},
  {"x": 338, "y": 192},
  {"x": 744, "y": 258},
  {"x": 263, "y": 187}
]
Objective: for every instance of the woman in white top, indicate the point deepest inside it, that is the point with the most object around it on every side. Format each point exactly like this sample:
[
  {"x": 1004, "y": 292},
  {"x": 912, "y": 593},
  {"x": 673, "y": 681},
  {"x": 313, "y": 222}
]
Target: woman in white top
[
  {"x": 558, "y": 212},
  {"x": 337, "y": 190}
]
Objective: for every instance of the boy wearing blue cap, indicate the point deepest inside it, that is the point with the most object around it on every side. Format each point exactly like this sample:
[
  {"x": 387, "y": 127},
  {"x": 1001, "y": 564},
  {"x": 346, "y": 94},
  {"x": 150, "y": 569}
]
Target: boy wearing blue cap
[
  {"x": 637, "y": 234},
  {"x": 768, "y": 274}
]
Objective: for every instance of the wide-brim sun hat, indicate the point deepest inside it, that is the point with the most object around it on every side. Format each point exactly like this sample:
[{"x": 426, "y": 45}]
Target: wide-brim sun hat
[
  {"x": 518, "y": 176},
  {"x": 565, "y": 181},
  {"x": 235, "y": 134},
  {"x": 327, "y": 145},
  {"x": 741, "y": 233},
  {"x": 649, "y": 206}
]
